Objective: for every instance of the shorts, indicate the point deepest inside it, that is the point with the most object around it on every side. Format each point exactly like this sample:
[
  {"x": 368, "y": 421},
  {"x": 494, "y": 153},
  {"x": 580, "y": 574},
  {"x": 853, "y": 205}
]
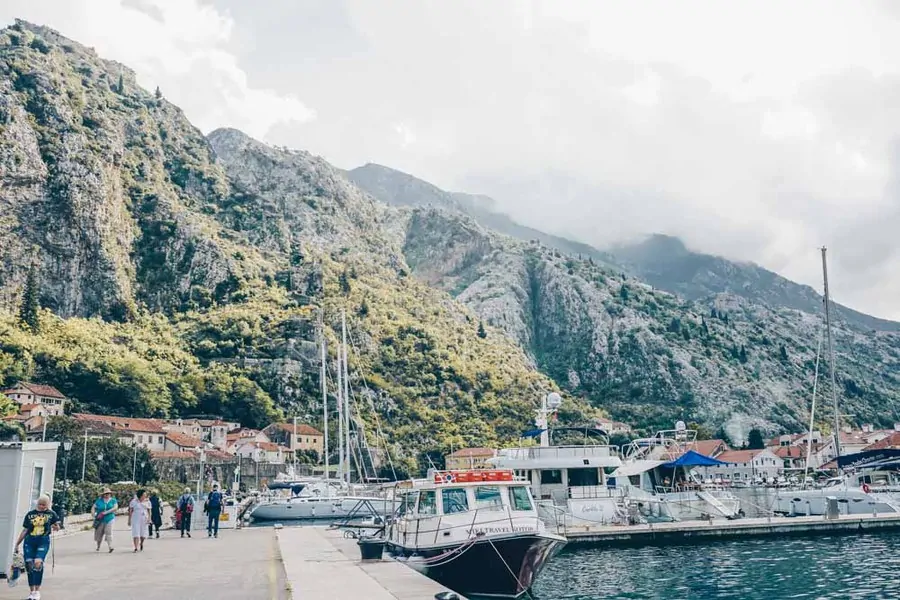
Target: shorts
[{"x": 35, "y": 548}]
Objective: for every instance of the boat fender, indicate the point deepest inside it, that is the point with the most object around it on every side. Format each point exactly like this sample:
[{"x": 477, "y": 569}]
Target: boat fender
[{"x": 866, "y": 488}]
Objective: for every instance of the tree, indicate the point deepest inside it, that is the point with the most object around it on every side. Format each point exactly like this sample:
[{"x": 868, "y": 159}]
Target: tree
[
  {"x": 7, "y": 407},
  {"x": 742, "y": 355},
  {"x": 755, "y": 440},
  {"x": 121, "y": 87},
  {"x": 481, "y": 332},
  {"x": 158, "y": 93},
  {"x": 782, "y": 353},
  {"x": 363, "y": 309},
  {"x": 623, "y": 292},
  {"x": 29, "y": 311},
  {"x": 11, "y": 431},
  {"x": 344, "y": 282}
]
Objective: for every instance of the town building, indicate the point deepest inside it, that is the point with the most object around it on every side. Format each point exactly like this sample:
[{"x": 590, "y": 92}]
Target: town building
[
  {"x": 179, "y": 442},
  {"x": 746, "y": 465},
  {"x": 611, "y": 427},
  {"x": 213, "y": 431},
  {"x": 145, "y": 433},
  {"x": 266, "y": 452},
  {"x": 304, "y": 437},
  {"x": 242, "y": 436},
  {"x": 711, "y": 448},
  {"x": 469, "y": 458},
  {"x": 25, "y": 393}
]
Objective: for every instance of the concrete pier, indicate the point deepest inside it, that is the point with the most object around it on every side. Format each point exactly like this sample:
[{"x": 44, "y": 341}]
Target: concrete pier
[
  {"x": 239, "y": 565},
  {"x": 322, "y": 563},
  {"x": 696, "y": 531}
]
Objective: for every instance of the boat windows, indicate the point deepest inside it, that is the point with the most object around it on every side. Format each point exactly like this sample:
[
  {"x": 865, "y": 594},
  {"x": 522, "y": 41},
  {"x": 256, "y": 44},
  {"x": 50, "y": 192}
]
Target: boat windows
[
  {"x": 488, "y": 497},
  {"x": 551, "y": 476},
  {"x": 427, "y": 503},
  {"x": 583, "y": 477},
  {"x": 408, "y": 503},
  {"x": 519, "y": 499},
  {"x": 454, "y": 500}
]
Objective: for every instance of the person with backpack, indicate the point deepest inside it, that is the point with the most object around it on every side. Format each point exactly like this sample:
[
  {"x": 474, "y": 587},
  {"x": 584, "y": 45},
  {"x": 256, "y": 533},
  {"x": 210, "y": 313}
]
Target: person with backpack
[
  {"x": 184, "y": 508},
  {"x": 213, "y": 509}
]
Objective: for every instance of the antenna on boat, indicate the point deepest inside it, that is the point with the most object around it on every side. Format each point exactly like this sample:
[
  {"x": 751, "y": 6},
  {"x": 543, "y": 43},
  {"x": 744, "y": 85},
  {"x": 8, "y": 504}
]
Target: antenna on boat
[
  {"x": 324, "y": 392},
  {"x": 834, "y": 399}
]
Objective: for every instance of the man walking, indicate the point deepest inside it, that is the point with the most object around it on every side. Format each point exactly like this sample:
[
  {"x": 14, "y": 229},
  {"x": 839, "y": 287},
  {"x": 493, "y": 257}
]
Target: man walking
[
  {"x": 104, "y": 511},
  {"x": 185, "y": 508},
  {"x": 213, "y": 511}
]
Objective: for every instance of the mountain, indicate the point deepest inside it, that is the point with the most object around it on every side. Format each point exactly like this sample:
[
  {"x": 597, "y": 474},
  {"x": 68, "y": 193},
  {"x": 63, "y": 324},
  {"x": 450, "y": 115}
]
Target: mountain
[
  {"x": 181, "y": 274},
  {"x": 740, "y": 351},
  {"x": 666, "y": 263}
]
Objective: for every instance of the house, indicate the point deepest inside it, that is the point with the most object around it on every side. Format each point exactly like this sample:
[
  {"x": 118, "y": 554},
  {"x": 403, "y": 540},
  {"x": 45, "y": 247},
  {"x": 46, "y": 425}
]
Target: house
[
  {"x": 25, "y": 393},
  {"x": 239, "y": 437},
  {"x": 304, "y": 437},
  {"x": 892, "y": 441},
  {"x": 469, "y": 458},
  {"x": 266, "y": 452},
  {"x": 213, "y": 431},
  {"x": 711, "y": 448},
  {"x": 179, "y": 442},
  {"x": 614, "y": 427},
  {"x": 746, "y": 465},
  {"x": 145, "y": 433},
  {"x": 794, "y": 457}
]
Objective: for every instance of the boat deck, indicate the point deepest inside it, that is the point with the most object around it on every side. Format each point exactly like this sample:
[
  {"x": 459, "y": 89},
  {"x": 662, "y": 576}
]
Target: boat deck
[
  {"x": 322, "y": 563},
  {"x": 697, "y": 531}
]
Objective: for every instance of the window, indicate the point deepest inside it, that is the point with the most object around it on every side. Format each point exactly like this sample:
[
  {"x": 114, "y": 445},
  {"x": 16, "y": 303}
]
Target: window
[
  {"x": 551, "y": 476},
  {"x": 488, "y": 497},
  {"x": 140, "y": 439},
  {"x": 408, "y": 503},
  {"x": 455, "y": 500},
  {"x": 427, "y": 503},
  {"x": 160, "y": 439},
  {"x": 37, "y": 482},
  {"x": 583, "y": 477},
  {"x": 519, "y": 498}
]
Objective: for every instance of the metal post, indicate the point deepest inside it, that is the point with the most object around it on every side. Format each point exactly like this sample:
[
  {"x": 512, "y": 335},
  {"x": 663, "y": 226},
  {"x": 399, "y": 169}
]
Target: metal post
[
  {"x": 134, "y": 462},
  {"x": 340, "y": 407},
  {"x": 84, "y": 460},
  {"x": 346, "y": 393},
  {"x": 67, "y": 447},
  {"x": 294, "y": 446}
]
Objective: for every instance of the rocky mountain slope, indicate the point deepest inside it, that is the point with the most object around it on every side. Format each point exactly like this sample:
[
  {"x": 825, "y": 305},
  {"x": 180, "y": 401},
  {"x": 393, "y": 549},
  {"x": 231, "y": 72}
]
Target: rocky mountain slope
[
  {"x": 741, "y": 357},
  {"x": 182, "y": 274}
]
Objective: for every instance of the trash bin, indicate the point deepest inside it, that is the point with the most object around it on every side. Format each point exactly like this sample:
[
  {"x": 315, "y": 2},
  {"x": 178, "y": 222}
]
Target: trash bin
[
  {"x": 831, "y": 508},
  {"x": 370, "y": 548}
]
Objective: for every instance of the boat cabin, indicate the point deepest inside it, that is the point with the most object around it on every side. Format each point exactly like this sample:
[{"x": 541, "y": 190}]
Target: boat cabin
[{"x": 562, "y": 472}]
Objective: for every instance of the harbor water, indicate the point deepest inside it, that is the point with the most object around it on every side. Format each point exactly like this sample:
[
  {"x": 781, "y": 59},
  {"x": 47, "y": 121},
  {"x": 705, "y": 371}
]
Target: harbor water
[{"x": 817, "y": 567}]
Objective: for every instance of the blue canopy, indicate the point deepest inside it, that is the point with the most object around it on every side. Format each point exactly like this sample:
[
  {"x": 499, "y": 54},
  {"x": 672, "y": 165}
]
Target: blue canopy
[
  {"x": 533, "y": 432},
  {"x": 693, "y": 459}
]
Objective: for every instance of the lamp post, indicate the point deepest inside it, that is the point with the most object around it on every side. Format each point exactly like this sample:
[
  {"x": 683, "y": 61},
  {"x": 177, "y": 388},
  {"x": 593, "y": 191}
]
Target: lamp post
[
  {"x": 67, "y": 447},
  {"x": 99, "y": 464},
  {"x": 143, "y": 463}
]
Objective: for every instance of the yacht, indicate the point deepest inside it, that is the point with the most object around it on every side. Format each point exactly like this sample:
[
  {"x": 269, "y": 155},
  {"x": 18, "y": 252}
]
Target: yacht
[
  {"x": 662, "y": 468},
  {"x": 476, "y": 532},
  {"x": 323, "y": 500},
  {"x": 866, "y": 491}
]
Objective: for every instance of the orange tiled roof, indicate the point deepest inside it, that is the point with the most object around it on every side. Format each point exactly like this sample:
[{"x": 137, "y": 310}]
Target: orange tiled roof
[
  {"x": 891, "y": 441},
  {"x": 738, "y": 456},
  {"x": 302, "y": 428},
  {"x": 123, "y": 424},
  {"x": 708, "y": 447},
  {"x": 38, "y": 389},
  {"x": 185, "y": 441}
]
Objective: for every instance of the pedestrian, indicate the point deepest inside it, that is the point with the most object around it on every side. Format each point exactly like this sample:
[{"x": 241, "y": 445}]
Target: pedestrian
[
  {"x": 35, "y": 534},
  {"x": 155, "y": 513},
  {"x": 138, "y": 517},
  {"x": 104, "y": 511},
  {"x": 185, "y": 508},
  {"x": 213, "y": 509}
]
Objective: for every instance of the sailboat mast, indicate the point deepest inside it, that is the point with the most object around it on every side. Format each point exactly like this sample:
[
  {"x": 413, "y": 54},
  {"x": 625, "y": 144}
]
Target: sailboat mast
[
  {"x": 340, "y": 403},
  {"x": 324, "y": 377},
  {"x": 834, "y": 399},
  {"x": 346, "y": 390}
]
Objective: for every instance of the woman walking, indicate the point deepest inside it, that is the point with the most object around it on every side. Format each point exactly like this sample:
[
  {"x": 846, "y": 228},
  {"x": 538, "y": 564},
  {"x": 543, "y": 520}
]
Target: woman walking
[
  {"x": 138, "y": 517},
  {"x": 104, "y": 510},
  {"x": 155, "y": 513},
  {"x": 36, "y": 534}
]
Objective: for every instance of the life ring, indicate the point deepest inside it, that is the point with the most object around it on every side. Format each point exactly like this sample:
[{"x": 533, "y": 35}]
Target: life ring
[{"x": 866, "y": 488}]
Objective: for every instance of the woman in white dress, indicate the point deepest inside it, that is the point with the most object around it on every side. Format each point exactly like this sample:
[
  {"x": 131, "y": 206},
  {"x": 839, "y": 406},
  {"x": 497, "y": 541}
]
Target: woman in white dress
[{"x": 138, "y": 517}]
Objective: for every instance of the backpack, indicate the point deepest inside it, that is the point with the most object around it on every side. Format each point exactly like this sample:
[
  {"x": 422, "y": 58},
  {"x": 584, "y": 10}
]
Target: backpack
[{"x": 215, "y": 500}]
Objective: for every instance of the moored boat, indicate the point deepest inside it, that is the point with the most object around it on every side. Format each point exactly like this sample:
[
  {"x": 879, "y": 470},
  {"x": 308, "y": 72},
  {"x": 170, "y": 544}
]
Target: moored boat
[{"x": 476, "y": 532}]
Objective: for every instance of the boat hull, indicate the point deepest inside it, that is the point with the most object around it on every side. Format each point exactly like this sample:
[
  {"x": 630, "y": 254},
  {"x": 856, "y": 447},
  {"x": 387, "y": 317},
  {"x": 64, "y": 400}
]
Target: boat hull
[
  {"x": 319, "y": 508},
  {"x": 500, "y": 567},
  {"x": 815, "y": 502}
]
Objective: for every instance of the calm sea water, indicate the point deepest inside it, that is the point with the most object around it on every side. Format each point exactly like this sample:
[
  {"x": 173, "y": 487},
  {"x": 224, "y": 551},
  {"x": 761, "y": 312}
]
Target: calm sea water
[{"x": 845, "y": 567}]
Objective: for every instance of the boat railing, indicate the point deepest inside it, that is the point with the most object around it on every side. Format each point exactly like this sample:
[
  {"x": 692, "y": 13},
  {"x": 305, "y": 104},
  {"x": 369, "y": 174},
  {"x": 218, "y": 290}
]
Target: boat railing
[
  {"x": 472, "y": 526},
  {"x": 544, "y": 452},
  {"x": 587, "y": 492}
]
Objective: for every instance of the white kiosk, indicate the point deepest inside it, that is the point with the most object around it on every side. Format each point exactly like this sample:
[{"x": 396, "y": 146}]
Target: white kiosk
[{"x": 27, "y": 470}]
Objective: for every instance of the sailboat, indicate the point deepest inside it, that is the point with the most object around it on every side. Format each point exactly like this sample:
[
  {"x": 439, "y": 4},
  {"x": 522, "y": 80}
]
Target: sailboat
[
  {"x": 849, "y": 489},
  {"x": 326, "y": 498}
]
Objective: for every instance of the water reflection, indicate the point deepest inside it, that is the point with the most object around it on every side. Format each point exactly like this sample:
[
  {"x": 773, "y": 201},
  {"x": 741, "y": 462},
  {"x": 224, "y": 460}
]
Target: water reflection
[{"x": 845, "y": 567}]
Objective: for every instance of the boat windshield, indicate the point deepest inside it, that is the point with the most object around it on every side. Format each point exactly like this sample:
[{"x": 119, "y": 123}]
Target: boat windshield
[
  {"x": 407, "y": 503},
  {"x": 488, "y": 497},
  {"x": 519, "y": 498},
  {"x": 454, "y": 500}
]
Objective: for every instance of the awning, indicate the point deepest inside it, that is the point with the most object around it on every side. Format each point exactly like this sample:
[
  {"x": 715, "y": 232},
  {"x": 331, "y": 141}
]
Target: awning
[
  {"x": 635, "y": 468},
  {"x": 693, "y": 459}
]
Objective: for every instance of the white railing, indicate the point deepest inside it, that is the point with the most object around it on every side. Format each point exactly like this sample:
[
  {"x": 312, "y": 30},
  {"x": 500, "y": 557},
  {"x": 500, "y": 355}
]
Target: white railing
[{"x": 538, "y": 452}]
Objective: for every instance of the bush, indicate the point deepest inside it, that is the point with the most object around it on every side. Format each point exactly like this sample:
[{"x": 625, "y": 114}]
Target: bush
[{"x": 81, "y": 496}]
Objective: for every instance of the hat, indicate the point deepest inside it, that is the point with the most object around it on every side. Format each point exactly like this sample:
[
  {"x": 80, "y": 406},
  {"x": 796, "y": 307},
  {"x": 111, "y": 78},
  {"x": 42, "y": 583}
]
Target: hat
[{"x": 106, "y": 491}]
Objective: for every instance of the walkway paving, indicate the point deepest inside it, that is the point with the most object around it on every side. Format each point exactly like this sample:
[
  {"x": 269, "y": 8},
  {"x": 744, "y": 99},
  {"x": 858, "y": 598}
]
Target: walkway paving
[
  {"x": 239, "y": 565},
  {"x": 321, "y": 563}
]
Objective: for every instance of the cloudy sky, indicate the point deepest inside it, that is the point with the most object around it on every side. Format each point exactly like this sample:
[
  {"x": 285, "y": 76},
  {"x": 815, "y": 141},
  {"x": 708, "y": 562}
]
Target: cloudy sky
[{"x": 757, "y": 130}]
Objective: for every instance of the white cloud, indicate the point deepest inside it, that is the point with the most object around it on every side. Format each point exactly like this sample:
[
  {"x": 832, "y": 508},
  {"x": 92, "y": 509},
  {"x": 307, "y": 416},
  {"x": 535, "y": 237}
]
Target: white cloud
[{"x": 178, "y": 45}]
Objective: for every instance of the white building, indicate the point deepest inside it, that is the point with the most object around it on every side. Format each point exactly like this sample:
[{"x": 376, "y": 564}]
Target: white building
[
  {"x": 266, "y": 452},
  {"x": 746, "y": 465},
  {"x": 25, "y": 393},
  {"x": 26, "y": 470}
]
